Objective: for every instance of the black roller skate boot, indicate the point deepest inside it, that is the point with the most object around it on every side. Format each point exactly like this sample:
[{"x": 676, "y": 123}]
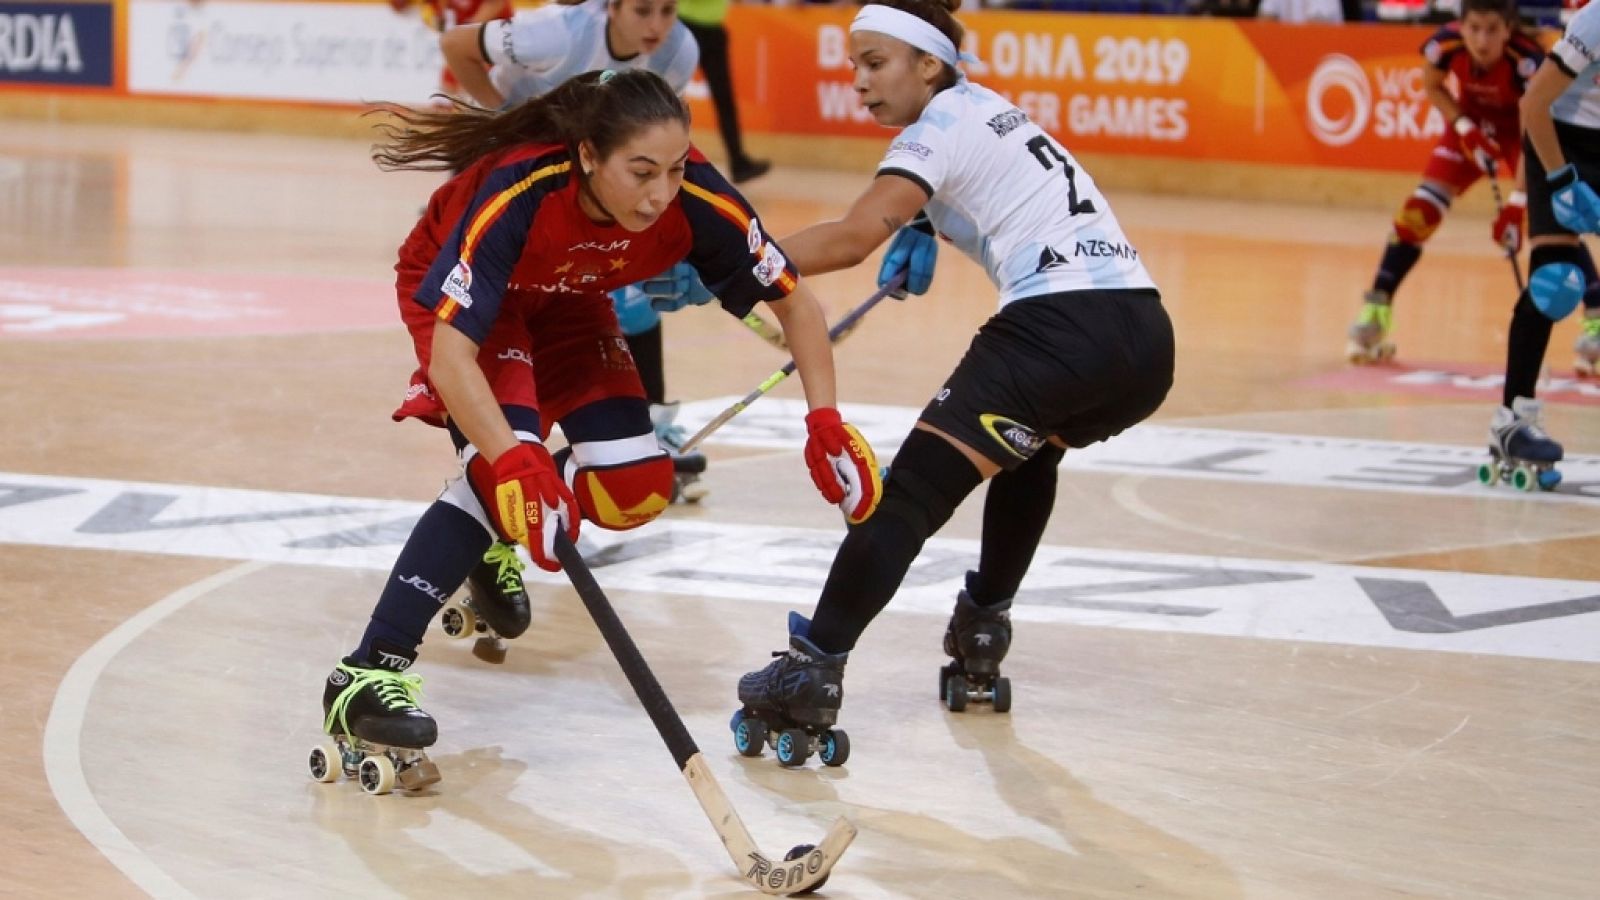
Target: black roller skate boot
[
  {"x": 377, "y": 732},
  {"x": 1520, "y": 451},
  {"x": 496, "y": 605},
  {"x": 977, "y": 639},
  {"x": 793, "y": 703}
]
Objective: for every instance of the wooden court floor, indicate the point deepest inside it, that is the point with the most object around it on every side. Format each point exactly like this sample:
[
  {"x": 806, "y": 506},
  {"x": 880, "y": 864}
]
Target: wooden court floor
[{"x": 1277, "y": 644}]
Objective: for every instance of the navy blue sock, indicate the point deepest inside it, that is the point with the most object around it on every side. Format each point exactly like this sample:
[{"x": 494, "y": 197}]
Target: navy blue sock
[
  {"x": 1398, "y": 258},
  {"x": 442, "y": 549}
]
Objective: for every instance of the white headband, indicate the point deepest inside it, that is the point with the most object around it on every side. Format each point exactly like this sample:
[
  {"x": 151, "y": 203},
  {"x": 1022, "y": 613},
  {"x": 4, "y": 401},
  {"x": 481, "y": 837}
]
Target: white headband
[{"x": 909, "y": 28}]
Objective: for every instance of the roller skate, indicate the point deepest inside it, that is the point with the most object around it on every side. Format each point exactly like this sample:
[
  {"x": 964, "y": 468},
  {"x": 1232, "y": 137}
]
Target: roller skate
[
  {"x": 1369, "y": 333},
  {"x": 792, "y": 704},
  {"x": 377, "y": 734},
  {"x": 496, "y": 605},
  {"x": 1522, "y": 454},
  {"x": 976, "y": 639},
  {"x": 1588, "y": 346},
  {"x": 686, "y": 467}
]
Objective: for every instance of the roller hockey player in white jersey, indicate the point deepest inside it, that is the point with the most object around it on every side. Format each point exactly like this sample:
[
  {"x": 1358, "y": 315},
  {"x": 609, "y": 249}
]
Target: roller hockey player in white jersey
[
  {"x": 1561, "y": 122},
  {"x": 1080, "y": 350}
]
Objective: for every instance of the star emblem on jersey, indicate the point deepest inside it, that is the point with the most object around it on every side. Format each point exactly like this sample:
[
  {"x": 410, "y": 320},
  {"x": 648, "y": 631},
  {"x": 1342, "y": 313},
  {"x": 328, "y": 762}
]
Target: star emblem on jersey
[
  {"x": 618, "y": 264},
  {"x": 564, "y": 268}
]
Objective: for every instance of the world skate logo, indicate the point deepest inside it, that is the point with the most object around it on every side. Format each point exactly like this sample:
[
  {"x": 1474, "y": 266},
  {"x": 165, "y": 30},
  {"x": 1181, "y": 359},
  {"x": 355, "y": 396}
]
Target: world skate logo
[
  {"x": 1337, "y": 74},
  {"x": 425, "y": 586}
]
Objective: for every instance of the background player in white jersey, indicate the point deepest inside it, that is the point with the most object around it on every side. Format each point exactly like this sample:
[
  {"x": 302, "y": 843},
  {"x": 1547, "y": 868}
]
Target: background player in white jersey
[
  {"x": 539, "y": 49},
  {"x": 1080, "y": 350},
  {"x": 1561, "y": 122}
]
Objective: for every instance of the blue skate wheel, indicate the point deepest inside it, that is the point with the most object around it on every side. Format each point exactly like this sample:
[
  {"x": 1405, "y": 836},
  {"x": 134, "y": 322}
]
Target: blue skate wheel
[
  {"x": 749, "y": 735},
  {"x": 835, "y": 748},
  {"x": 1548, "y": 479},
  {"x": 793, "y": 747}
]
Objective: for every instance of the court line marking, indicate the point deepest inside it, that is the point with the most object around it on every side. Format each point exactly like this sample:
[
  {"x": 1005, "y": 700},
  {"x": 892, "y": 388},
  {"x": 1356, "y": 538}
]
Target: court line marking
[{"x": 63, "y": 733}]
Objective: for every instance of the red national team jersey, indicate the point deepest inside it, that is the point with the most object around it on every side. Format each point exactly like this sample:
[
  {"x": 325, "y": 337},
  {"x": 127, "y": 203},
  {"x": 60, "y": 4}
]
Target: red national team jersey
[
  {"x": 443, "y": 14},
  {"x": 510, "y": 228},
  {"x": 1486, "y": 94}
]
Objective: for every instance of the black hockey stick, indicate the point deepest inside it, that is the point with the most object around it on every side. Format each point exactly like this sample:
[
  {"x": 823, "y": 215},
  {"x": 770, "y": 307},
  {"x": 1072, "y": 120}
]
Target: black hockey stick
[
  {"x": 770, "y": 876},
  {"x": 1499, "y": 206},
  {"x": 842, "y": 327}
]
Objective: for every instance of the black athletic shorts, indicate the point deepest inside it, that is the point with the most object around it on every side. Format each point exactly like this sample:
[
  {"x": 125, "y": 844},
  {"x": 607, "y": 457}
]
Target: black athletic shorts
[
  {"x": 1080, "y": 365},
  {"x": 1581, "y": 147}
]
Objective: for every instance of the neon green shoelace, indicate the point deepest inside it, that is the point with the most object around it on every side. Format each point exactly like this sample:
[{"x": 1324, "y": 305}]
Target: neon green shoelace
[
  {"x": 1591, "y": 327},
  {"x": 1377, "y": 313},
  {"x": 396, "y": 690},
  {"x": 508, "y": 572}
]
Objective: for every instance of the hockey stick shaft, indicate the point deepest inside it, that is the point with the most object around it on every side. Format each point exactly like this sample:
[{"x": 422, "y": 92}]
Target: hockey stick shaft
[
  {"x": 1499, "y": 206},
  {"x": 760, "y": 871},
  {"x": 843, "y": 326}
]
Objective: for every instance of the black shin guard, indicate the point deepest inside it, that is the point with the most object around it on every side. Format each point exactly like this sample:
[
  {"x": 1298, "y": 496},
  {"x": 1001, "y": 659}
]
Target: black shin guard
[
  {"x": 928, "y": 480},
  {"x": 1530, "y": 328},
  {"x": 1014, "y": 517}
]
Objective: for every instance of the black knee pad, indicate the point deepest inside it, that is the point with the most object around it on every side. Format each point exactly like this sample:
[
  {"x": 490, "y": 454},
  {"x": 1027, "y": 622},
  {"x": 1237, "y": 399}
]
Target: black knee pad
[{"x": 928, "y": 480}]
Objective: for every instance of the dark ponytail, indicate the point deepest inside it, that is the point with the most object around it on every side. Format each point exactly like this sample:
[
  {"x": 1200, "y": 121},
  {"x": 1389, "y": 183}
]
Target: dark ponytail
[{"x": 606, "y": 113}]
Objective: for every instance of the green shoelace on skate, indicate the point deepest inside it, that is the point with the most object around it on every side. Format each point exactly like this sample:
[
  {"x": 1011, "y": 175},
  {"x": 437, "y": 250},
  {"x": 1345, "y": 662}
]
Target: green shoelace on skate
[
  {"x": 508, "y": 572},
  {"x": 1591, "y": 328},
  {"x": 1380, "y": 314},
  {"x": 396, "y": 690}
]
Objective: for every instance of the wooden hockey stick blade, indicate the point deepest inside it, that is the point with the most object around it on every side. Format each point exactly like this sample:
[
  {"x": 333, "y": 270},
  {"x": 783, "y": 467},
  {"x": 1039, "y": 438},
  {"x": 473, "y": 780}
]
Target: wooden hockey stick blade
[{"x": 764, "y": 873}]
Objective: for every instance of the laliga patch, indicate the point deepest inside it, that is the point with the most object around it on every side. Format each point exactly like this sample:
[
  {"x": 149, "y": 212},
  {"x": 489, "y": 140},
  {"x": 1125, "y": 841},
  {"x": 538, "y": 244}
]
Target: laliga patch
[
  {"x": 752, "y": 236},
  {"x": 458, "y": 286},
  {"x": 1020, "y": 440},
  {"x": 771, "y": 265}
]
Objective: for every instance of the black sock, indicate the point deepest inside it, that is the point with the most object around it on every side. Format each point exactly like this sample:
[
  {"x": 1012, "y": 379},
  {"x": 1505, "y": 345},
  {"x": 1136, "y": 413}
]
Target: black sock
[
  {"x": 1014, "y": 516},
  {"x": 1398, "y": 258},
  {"x": 443, "y": 547},
  {"x": 928, "y": 480},
  {"x": 1525, "y": 346},
  {"x": 645, "y": 348}
]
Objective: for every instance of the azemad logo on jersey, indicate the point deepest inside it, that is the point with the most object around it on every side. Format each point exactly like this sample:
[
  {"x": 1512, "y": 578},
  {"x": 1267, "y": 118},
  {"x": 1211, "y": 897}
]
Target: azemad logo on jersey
[{"x": 57, "y": 43}]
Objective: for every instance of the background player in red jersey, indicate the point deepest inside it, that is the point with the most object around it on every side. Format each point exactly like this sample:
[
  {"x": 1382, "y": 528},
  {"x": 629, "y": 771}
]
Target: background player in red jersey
[
  {"x": 443, "y": 15},
  {"x": 503, "y": 285},
  {"x": 1490, "y": 62}
]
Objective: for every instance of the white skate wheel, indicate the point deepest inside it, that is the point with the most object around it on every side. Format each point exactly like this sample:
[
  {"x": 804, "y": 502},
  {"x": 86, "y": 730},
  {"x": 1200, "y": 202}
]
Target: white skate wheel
[
  {"x": 325, "y": 763},
  {"x": 376, "y": 775},
  {"x": 458, "y": 620}
]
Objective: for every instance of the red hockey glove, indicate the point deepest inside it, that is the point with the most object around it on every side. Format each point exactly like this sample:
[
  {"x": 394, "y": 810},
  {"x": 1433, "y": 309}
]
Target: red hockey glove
[
  {"x": 528, "y": 495},
  {"x": 1479, "y": 147},
  {"x": 842, "y": 465},
  {"x": 1508, "y": 224}
]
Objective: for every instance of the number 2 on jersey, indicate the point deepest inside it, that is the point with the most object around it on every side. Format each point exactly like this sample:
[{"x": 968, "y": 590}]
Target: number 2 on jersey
[{"x": 1042, "y": 144}]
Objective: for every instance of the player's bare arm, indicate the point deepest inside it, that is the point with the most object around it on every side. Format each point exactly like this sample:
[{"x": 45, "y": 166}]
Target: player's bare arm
[
  {"x": 805, "y": 328},
  {"x": 1547, "y": 84},
  {"x": 463, "y": 53},
  {"x": 889, "y": 202},
  {"x": 455, "y": 372},
  {"x": 1433, "y": 84}
]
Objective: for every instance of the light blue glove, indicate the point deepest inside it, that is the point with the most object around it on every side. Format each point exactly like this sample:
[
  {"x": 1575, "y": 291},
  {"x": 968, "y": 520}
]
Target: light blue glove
[
  {"x": 676, "y": 288},
  {"x": 634, "y": 312},
  {"x": 914, "y": 250},
  {"x": 1574, "y": 203}
]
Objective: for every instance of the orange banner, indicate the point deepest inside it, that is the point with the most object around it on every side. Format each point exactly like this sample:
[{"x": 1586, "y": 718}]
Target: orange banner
[{"x": 1212, "y": 89}]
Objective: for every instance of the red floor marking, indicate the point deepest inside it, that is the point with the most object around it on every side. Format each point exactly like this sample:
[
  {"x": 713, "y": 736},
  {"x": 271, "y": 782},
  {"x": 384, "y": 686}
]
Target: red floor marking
[
  {"x": 1463, "y": 381},
  {"x": 64, "y": 304}
]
